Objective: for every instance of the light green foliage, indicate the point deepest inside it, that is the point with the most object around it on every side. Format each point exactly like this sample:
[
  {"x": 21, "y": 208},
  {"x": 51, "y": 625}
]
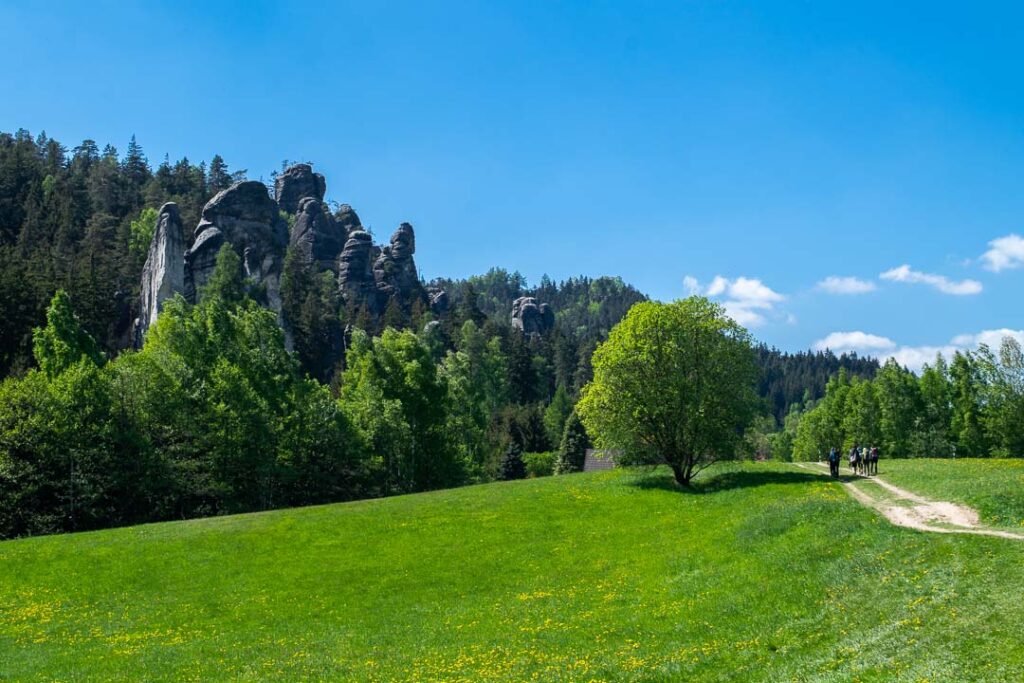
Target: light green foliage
[
  {"x": 973, "y": 407},
  {"x": 142, "y": 230},
  {"x": 540, "y": 464},
  {"x": 399, "y": 399},
  {"x": 763, "y": 573},
  {"x": 673, "y": 384},
  {"x": 1003, "y": 397},
  {"x": 860, "y": 422},
  {"x": 63, "y": 342},
  {"x": 477, "y": 380}
]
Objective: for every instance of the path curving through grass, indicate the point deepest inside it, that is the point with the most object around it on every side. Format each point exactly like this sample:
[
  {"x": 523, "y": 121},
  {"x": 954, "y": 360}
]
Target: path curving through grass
[{"x": 908, "y": 509}]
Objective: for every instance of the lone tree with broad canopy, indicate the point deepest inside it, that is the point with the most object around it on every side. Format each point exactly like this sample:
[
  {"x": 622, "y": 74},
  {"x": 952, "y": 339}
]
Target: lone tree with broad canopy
[{"x": 674, "y": 384}]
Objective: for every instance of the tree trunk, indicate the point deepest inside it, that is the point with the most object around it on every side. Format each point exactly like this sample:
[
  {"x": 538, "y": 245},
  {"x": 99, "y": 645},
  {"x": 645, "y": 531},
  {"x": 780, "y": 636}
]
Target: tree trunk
[{"x": 682, "y": 475}]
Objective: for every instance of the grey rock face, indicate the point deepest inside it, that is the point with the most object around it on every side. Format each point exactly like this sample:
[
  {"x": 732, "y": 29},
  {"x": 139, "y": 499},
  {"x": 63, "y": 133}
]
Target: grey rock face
[
  {"x": 316, "y": 236},
  {"x": 296, "y": 183},
  {"x": 247, "y": 218},
  {"x": 346, "y": 217},
  {"x": 394, "y": 270},
  {"x": 531, "y": 317},
  {"x": 163, "y": 276},
  {"x": 439, "y": 301},
  {"x": 355, "y": 277}
]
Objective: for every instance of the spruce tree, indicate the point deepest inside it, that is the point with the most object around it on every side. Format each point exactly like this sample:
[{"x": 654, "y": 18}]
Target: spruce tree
[
  {"x": 573, "y": 449},
  {"x": 512, "y": 465}
]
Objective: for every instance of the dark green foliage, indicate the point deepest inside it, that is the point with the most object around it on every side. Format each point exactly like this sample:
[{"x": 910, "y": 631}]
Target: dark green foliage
[
  {"x": 512, "y": 466},
  {"x": 312, "y": 306},
  {"x": 572, "y": 450},
  {"x": 66, "y": 222},
  {"x": 789, "y": 378}
]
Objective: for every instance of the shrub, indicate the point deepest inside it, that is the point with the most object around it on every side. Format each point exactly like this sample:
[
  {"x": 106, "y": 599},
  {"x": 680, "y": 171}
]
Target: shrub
[{"x": 540, "y": 464}]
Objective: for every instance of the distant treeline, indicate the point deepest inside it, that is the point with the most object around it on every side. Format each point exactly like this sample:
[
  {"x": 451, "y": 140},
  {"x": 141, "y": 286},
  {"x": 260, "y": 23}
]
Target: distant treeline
[{"x": 972, "y": 406}]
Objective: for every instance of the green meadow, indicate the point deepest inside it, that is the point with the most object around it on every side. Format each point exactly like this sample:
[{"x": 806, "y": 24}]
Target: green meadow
[{"x": 763, "y": 572}]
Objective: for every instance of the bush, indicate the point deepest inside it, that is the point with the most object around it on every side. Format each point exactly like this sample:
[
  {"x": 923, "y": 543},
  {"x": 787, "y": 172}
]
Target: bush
[
  {"x": 540, "y": 464},
  {"x": 512, "y": 466}
]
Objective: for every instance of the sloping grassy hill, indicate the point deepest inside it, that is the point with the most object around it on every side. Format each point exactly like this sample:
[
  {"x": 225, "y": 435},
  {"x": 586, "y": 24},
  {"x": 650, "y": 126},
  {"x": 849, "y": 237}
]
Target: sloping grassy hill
[{"x": 766, "y": 573}]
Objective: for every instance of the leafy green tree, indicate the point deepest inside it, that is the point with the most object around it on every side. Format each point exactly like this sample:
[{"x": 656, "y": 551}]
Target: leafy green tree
[
  {"x": 968, "y": 389},
  {"x": 394, "y": 375},
  {"x": 572, "y": 451},
  {"x": 142, "y": 230},
  {"x": 477, "y": 387},
  {"x": 674, "y": 384},
  {"x": 861, "y": 419},
  {"x": 1003, "y": 415},
  {"x": 931, "y": 433},
  {"x": 63, "y": 342},
  {"x": 899, "y": 402}
]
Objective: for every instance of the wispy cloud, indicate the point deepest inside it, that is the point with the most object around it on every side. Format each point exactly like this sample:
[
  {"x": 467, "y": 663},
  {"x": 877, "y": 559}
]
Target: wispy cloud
[
  {"x": 905, "y": 273},
  {"x": 748, "y": 301},
  {"x": 835, "y": 284},
  {"x": 913, "y": 357},
  {"x": 1004, "y": 253}
]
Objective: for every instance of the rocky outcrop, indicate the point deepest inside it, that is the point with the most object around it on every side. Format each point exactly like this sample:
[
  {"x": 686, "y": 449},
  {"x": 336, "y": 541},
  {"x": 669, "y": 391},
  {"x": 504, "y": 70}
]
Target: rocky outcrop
[
  {"x": 394, "y": 270},
  {"x": 355, "y": 276},
  {"x": 163, "y": 276},
  {"x": 247, "y": 218},
  {"x": 439, "y": 301},
  {"x": 316, "y": 236},
  {"x": 346, "y": 217},
  {"x": 531, "y": 317},
  {"x": 296, "y": 183}
]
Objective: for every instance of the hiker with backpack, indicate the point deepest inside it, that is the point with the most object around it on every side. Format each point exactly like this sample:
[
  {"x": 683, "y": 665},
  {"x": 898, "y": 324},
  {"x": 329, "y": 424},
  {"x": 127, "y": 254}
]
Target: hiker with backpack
[
  {"x": 873, "y": 460},
  {"x": 833, "y": 462},
  {"x": 855, "y": 458}
]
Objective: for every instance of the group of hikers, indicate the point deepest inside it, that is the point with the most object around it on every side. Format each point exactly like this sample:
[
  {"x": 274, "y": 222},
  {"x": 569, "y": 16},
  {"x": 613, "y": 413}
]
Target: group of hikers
[{"x": 863, "y": 460}]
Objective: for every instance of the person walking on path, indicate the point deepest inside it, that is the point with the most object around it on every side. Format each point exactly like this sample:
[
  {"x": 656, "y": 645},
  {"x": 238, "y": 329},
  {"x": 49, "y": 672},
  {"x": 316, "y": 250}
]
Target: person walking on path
[{"x": 833, "y": 462}]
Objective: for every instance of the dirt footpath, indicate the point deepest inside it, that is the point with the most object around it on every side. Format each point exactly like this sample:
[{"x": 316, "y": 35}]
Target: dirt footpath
[{"x": 907, "y": 509}]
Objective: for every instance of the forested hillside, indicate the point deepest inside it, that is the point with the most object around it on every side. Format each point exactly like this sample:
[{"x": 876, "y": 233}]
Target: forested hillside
[{"x": 294, "y": 361}]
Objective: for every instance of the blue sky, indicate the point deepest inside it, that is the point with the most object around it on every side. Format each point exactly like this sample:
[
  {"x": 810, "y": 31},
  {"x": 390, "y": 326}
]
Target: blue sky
[{"x": 745, "y": 152}]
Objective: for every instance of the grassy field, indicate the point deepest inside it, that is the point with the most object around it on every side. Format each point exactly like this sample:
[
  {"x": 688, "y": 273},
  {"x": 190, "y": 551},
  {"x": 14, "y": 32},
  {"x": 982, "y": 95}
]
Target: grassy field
[
  {"x": 765, "y": 573},
  {"x": 995, "y": 488}
]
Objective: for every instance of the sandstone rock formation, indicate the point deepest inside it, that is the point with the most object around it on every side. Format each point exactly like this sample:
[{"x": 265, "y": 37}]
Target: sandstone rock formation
[
  {"x": 355, "y": 277},
  {"x": 295, "y": 184},
  {"x": 247, "y": 218},
  {"x": 439, "y": 301},
  {"x": 394, "y": 269},
  {"x": 346, "y": 217},
  {"x": 163, "y": 276},
  {"x": 316, "y": 236},
  {"x": 531, "y": 317}
]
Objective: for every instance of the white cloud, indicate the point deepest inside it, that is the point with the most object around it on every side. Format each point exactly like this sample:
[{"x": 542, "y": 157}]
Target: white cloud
[
  {"x": 748, "y": 301},
  {"x": 854, "y": 341},
  {"x": 904, "y": 273},
  {"x": 991, "y": 338},
  {"x": 913, "y": 357},
  {"x": 835, "y": 284},
  {"x": 1005, "y": 252}
]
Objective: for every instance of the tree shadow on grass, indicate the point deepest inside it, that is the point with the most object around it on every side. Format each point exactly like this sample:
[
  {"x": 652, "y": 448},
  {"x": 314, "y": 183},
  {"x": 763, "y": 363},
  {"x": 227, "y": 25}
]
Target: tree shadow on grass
[{"x": 724, "y": 481}]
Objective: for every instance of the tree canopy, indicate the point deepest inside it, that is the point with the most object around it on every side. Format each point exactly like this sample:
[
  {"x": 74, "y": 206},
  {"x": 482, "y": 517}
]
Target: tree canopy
[{"x": 674, "y": 384}]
